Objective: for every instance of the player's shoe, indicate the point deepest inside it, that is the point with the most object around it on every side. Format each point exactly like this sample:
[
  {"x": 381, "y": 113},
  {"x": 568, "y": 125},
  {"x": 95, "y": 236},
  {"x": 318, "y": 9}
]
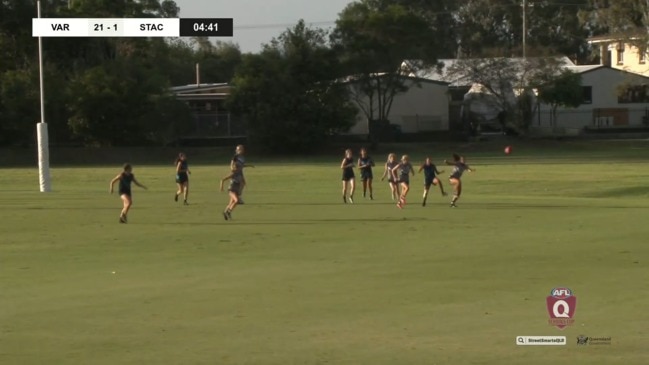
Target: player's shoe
[
  {"x": 344, "y": 199},
  {"x": 371, "y": 197},
  {"x": 225, "y": 216},
  {"x": 453, "y": 205},
  {"x": 444, "y": 194},
  {"x": 240, "y": 202},
  {"x": 176, "y": 197},
  {"x": 351, "y": 199},
  {"x": 185, "y": 202},
  {"x": 122, "y": 218},
  {"x": 229, "y": 213},
  {"x": 423, "y": 203}
]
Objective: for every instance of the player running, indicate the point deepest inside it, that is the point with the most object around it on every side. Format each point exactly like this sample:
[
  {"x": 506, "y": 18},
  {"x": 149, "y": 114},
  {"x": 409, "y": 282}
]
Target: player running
[
  {"x": 401, "y": 173},
  {"x": 365, "y": 164},
  {"x": 430, "y": 178},
  {"x": 239, "y": 160},
  {"x": 182, "y": 177},
  {"x": 389, "y": 165},
  {"x": 233, "y": 192},
  {"x": 459, "y": 166},
  {"x": 348, "y": 176},
  {"x": 125, "y": 178}
]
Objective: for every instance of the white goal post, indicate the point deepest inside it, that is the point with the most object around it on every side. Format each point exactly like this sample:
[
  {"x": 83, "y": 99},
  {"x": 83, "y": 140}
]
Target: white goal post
[{"x": 41, "y": 128}]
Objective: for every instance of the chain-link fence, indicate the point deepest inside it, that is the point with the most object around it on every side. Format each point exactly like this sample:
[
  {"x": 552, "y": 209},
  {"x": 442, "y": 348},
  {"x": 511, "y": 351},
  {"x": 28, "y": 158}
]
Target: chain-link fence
[
  {"x": 217, "y": 125},
  {"x": 593, "y": 119}
]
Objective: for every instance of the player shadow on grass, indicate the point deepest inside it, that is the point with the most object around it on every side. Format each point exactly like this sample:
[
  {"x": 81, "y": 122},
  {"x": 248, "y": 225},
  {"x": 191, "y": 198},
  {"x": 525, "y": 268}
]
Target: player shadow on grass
[
  {"x": 492, "y": 205},
  {"x": 323, "y": 204},
  {"x": 296, "y": 221}
]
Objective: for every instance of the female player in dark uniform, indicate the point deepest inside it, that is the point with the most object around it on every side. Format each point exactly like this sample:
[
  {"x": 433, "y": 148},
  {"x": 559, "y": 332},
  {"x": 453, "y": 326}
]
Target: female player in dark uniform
[
  {"x": 365, "y": 164},
  {"x": 348, "y": 176},
  {"x": 430, "y": 178},
  {"x": 125, "y": 178},
  {"x": 401, "y": 173},
  {"x": 233, "y": 191},
  {"x": 182, "y": 177},
  {"x": 239, "y": 160},
  {"x": 389, "y": 165},
  {"x": 459, "y": 166}
]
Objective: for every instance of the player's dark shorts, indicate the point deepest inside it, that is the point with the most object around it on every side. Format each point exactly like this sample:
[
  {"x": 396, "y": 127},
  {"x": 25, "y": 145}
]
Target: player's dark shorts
[
  {"x": 125, "y": 192},
  {"x": 182, "y": 178},
  {"x": 404, "y": 180},
  {"x": 366, "y": 175},
  {"x": 235, "y": 187},
  {"x": 429, "y": 181},
  {"x": 348, "y": 175}
]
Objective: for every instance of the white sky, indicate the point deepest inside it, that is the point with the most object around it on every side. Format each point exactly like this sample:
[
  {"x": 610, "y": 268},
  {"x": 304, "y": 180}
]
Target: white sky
[{"x": 258, "y": 21}]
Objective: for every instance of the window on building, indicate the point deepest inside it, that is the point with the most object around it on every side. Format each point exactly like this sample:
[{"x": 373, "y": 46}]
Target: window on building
[
  {"x": 643, "y": 56},
  {"x": 620, "y": 53},
  {"x": 620, "y": 57},
  {"x": 634, "y": 94},
  {"x": 587, "y": 94}
]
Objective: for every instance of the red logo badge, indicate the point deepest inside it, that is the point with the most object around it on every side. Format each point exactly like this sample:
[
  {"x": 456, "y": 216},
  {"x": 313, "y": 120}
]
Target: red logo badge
[{"x": 561, "y": 306}]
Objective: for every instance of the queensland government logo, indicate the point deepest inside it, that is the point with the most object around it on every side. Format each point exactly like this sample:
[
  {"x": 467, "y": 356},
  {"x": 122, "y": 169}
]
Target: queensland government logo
[
  {"x": 561, "y": 305},
  {"x": 584, "y": 340}
]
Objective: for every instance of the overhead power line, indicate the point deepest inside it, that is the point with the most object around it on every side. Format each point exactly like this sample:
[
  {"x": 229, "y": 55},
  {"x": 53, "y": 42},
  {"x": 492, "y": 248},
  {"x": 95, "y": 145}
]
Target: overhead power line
[{"x": 333, "y": 22}]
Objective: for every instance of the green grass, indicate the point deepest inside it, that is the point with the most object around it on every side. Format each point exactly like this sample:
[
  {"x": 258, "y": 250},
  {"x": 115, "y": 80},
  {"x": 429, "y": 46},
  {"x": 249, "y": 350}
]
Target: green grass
[{"x": 300, "y": 278}]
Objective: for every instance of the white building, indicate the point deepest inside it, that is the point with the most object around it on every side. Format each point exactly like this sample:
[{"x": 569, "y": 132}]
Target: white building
[
  {"x": 423, "y": 108},
  {"x": 613, "y": 98}
]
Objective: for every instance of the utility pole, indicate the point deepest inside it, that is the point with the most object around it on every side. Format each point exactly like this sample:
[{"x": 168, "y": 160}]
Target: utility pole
[{"x": 525, "y": 28}]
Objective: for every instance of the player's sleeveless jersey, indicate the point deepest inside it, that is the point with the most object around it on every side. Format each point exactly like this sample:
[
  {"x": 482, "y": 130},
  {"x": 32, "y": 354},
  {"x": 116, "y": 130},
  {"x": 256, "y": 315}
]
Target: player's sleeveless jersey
[
  {"x": 348, "y": 172},
  {"x": 238, "y": 161},
  {"x": 458, "y": 170},
  {"x": 366, "y": 172},
  {"x": 182, "y": 176},
  {"x": 125, "y": 181},
  {"x": 367, "y": 161},
  {"x": 404, "y": 172},
  {"x": 391, "y": 165},
  {"x": 429, "y": 171}
]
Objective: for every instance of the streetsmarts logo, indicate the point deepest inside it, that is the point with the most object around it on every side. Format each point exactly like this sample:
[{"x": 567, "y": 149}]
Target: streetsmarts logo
[{"x": 561, "y": 305}]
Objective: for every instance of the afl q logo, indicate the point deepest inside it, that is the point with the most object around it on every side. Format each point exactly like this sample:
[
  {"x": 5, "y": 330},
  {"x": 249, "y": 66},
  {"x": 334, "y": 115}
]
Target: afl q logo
[{"x": 561, "y": 304}]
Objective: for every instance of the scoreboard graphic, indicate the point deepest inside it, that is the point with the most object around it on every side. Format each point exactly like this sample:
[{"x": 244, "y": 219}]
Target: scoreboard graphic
[{"x": 132, "y": 27}]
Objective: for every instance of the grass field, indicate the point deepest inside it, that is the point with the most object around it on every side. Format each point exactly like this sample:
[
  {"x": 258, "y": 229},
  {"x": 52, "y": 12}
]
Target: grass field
[{"x": 299, "y": 278}]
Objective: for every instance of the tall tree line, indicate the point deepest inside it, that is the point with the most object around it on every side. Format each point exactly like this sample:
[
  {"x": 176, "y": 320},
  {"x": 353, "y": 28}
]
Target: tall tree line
[
  {"x": 114, "y": 91},
  {"x": 100, "y": 91}
]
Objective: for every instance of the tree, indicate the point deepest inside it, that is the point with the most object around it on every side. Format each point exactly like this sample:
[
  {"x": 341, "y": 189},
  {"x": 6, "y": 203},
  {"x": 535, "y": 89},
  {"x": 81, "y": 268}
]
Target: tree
[
  {"x": 495, "y": 28},
  {"x": 98, "y": 90},
  {"x": 563, "y": 89},
  {"x": 122, "y": 103},
  {"x": 373, "y": 39},
  {"x": 289, "y": 94},
  {"x": 218, "y": 61},
  {"x": 627, "y": 20},
  {"x": 440, "y": 16},
  {"x": 506, "y": 83}
]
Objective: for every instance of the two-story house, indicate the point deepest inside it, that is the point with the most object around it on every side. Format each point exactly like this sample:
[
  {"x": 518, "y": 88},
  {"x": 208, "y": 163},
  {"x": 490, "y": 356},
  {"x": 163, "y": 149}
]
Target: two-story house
[{"x": 619, "y": 54}]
